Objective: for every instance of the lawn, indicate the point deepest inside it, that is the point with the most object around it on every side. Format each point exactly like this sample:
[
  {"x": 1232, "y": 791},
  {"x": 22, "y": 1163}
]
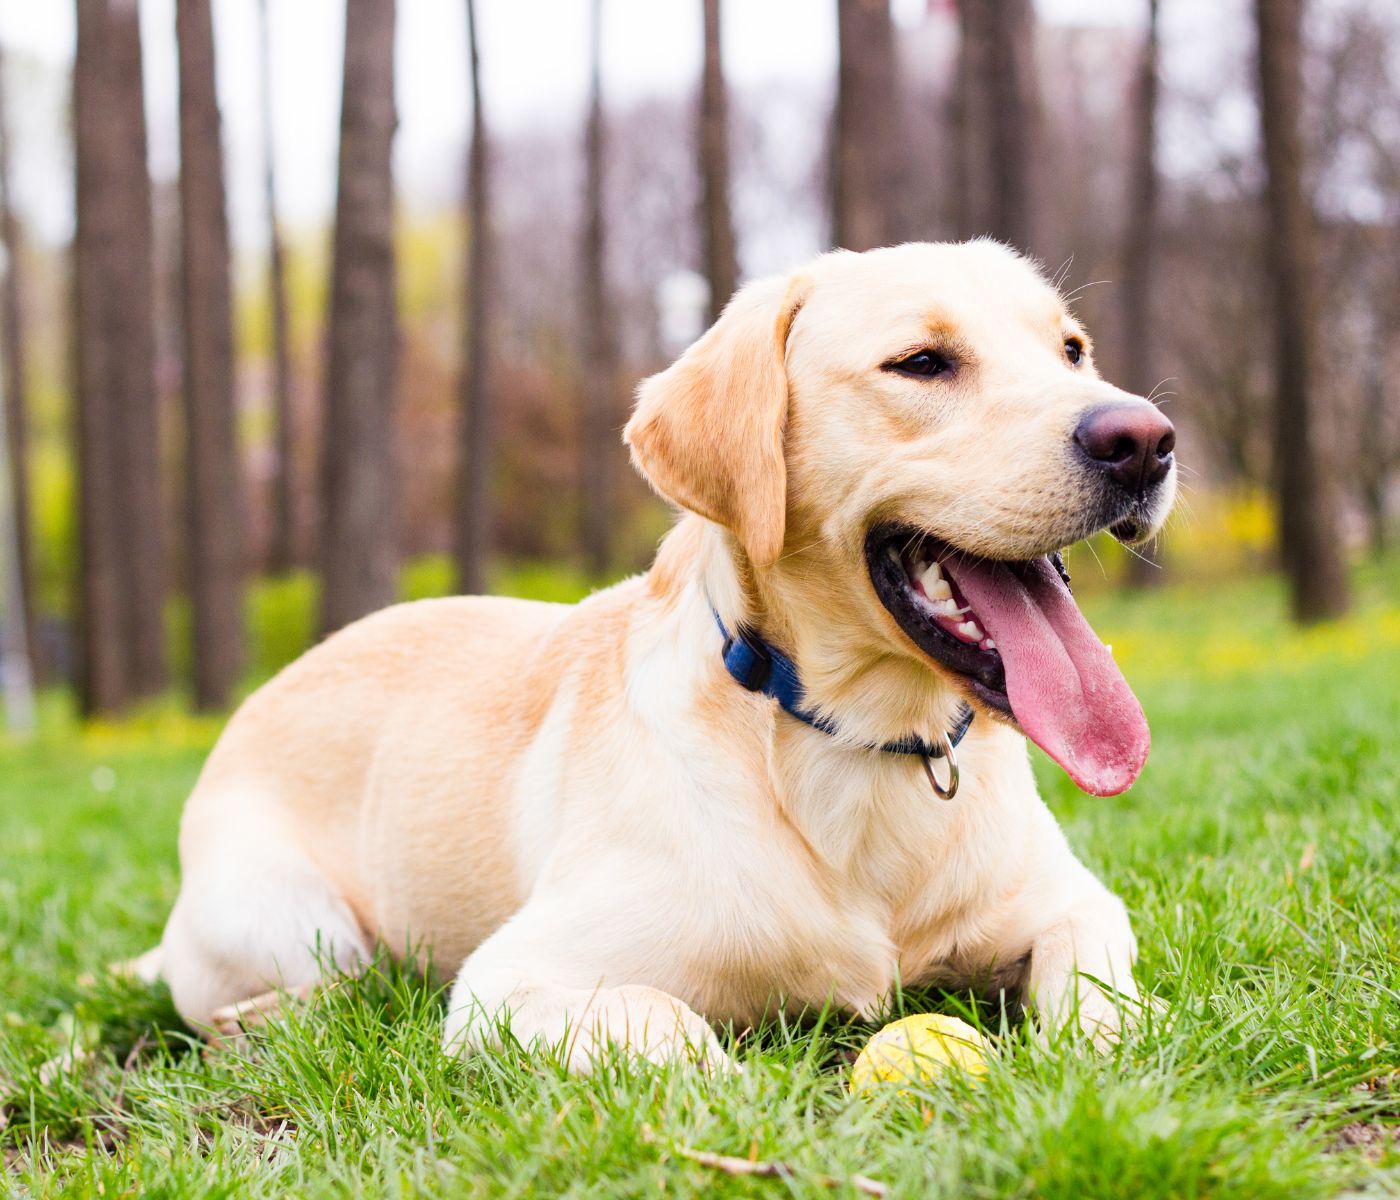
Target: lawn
[{"x": 1259, "y": 855}]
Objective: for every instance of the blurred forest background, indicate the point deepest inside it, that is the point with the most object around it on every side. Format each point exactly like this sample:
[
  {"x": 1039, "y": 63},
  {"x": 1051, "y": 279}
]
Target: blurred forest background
[{"x": 228, "y": 435}]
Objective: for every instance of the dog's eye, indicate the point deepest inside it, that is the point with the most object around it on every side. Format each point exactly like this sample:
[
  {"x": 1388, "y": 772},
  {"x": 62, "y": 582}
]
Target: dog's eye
[
  {"x": 925, "y": 364},
  {"x": 1074, "y": 351}
]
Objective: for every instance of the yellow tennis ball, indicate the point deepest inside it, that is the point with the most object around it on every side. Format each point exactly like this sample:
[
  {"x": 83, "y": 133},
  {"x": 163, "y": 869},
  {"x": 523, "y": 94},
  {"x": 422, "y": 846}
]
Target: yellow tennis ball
[{"x": 917, "y": 1049}]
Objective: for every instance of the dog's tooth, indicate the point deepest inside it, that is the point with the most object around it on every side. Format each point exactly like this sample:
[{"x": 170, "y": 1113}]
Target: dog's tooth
[
  {"x": 970, "y": 629},
  {"x": 947, "y": 608},
  {"x": 988, "y": 644},
  {"x": 935, "y": 587}
]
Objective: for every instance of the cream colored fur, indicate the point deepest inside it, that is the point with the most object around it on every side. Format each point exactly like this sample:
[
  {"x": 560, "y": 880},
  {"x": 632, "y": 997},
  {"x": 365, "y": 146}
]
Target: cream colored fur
[{"x": 577, "y": 812}]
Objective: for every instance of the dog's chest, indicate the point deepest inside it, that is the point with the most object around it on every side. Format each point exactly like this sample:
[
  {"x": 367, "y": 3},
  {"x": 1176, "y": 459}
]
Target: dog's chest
[
  {"x": 890, "y": 890},
  {"x": 850, "y": 948}
]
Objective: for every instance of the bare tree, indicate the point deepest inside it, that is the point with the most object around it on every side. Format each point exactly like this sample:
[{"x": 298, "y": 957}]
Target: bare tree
[
  {"x": 282, "y": 554},
  {"x": 16, "y": 619},
  {"x": 1374, "y": 441},
  {"x": 104, "y": 683},
  {"x": 1375, "y": 445},
  {"x": 1138, "y": 247},
  {"x": 214, "y": 509},
  {"x": 716, "y": 218},
  {"x": 867, "y": 98},
  {"x": 998, "y": 111},
  {"x": 121, "y": 576},
  {"x": 358, "y": 536},
  {"x": 1309, "y": 537},
  {"x": 1353, "y": 124},
  {"x": 1218, "y": 341},
  {"x": 474, "y": 523},
  {"x": 16, "y": 383},
  {"x": 16, "y": 666},
  {"x": 599, "y": 337}
]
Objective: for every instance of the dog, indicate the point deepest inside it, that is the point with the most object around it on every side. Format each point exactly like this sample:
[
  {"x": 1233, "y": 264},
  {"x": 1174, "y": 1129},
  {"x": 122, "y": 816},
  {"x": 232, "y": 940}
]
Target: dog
[{"x": 784, "y": 768}]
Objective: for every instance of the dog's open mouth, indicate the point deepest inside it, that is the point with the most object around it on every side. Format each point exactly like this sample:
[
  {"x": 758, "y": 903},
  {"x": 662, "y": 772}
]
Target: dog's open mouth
[{"x": 1013, "y": 637}]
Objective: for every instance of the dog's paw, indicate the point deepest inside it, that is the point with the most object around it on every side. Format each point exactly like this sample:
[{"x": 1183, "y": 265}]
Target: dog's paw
[
  {"x": 1103, "y": 1017},
  {"x": 1102, "y": 1013},
  {"x": 650, "y": 1024},
  {"x": 586, "y": 1030}
]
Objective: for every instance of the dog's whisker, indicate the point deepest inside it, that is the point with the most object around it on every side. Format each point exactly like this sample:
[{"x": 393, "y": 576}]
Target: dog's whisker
[
  {"x": 1137, "y": 554},
  {"x": 1090, "y": 546},
  {"x": 815, "y": 542},
  {"x": 1157, "y": 388},
  {"x": 1071, "y": 297}
]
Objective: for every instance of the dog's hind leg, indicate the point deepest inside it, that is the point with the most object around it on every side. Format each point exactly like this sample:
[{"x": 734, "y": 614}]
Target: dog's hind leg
[
  {"x": 144, "y": 968},
  {"x": 255, "y": 915}
]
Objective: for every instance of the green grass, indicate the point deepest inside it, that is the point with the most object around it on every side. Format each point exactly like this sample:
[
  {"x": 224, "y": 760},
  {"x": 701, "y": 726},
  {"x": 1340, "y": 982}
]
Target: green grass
[{"x": 1259, "y": 855}]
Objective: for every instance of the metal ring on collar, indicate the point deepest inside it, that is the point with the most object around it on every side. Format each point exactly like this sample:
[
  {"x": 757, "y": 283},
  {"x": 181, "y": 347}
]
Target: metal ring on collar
[{"x": 946, "y": 746}]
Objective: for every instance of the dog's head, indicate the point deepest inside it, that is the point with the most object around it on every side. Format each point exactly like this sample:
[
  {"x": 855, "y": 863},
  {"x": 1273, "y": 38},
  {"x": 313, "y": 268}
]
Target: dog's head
[{"x": 899, "y": 442}]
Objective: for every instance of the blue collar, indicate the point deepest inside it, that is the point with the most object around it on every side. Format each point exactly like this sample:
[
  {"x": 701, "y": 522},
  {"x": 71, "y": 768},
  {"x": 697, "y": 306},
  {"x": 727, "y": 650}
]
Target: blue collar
[{"x": 760, "y": 667}]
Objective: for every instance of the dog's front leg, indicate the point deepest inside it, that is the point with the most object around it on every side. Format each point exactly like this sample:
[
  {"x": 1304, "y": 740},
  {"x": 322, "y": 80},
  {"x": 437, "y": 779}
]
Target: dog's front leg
[
  {"x": 515, "y": 984},
  {"x": 1081, "y": 968}
]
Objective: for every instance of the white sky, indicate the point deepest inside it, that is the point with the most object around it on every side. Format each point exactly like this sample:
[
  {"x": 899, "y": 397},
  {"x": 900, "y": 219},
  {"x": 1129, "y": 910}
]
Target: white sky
[{"x": 534, "y": 60}]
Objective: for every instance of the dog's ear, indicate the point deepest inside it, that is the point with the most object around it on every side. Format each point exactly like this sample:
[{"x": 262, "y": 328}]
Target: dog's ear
[{"x": 707, "y": 432}]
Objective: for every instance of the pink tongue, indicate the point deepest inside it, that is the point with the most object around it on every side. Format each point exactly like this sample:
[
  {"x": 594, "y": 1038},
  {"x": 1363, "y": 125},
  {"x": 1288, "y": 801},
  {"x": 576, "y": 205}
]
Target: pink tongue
[{"x": 1065, "y": 689}]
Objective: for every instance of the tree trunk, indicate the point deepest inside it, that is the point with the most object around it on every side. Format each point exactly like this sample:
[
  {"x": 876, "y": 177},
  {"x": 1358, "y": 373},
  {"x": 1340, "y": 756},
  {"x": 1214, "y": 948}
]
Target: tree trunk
[
  {"x": 214, "y": 509},
  {"x": 121, "y": 581},
  {"x": 104, "y": 680},
  {"x": 599, "y": 340},
  {"x": 971, "y": 192},
  {"x": 1310, "y": 543},
  {"x": 132, "y": 298},
  {"x": 716, "y": 217},
  {"x": 17, "y": 655},
  {"x": 282, "y": 553},
  {"x": 1144, "y": 569},
  {"x": 16, "y": 666},
  {"x": 358, "y": 551},
  {"x": 1373, "y": 456},
  {"x": 1376, "y": 518},
  {"x": 1374, "y": 474},
  {"x": 474, "y": 513},
  {"x": 16, "y": 384},
  {"x": 999, "y": 112},
  {"x": 867, "y": 99}
]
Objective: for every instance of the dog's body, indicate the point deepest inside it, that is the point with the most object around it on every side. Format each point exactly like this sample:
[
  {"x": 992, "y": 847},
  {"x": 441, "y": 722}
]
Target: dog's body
[{"x": 579, "y": 811}]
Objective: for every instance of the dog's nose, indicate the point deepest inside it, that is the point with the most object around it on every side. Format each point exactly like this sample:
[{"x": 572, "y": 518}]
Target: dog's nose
[{"x": 1130, "y": 440}]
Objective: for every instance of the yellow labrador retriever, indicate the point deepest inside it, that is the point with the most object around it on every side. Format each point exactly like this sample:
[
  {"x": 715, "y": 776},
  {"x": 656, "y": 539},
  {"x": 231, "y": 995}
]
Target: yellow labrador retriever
[{"x": 723, "y": 787}]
